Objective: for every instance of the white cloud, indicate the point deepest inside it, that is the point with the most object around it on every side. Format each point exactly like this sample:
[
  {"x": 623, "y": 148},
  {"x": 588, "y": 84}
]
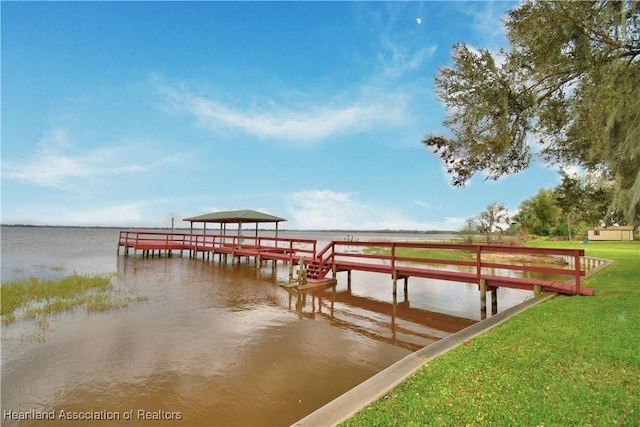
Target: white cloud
[
  {"x": 326, "y": 209},
  {"x": 118, "y": 215},
  {"x": 300, "y": 124},
  {"x": 136, "y": 214},
  {"x": 403, "y": 60},
  {"x": 56, "y": 161},
  {"x": 422, "y": 204},
  {"x": 488, "y": 23}
]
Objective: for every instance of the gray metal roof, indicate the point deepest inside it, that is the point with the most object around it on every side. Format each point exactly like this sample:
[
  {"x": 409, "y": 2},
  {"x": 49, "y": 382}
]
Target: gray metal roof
[{"x": 235, "y": 217}]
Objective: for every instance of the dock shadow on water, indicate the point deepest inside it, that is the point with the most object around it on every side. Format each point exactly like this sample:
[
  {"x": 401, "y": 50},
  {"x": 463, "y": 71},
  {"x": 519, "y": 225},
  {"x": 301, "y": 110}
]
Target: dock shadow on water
[{"x": 219, "y": 344}]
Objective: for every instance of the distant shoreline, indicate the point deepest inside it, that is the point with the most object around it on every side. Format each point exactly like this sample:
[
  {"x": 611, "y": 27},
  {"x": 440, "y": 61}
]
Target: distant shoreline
[{"x": 331, "y": 230}]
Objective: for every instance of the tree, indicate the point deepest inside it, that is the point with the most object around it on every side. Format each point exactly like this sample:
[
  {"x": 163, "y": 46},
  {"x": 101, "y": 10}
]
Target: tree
[
  {"x": 568, "y": 89},
  {"x": 540, "y": 213},
  {"x": 469, "y": 229},
  {"x": 588, "y": 198},
  {"x": 494, "y": 217}
]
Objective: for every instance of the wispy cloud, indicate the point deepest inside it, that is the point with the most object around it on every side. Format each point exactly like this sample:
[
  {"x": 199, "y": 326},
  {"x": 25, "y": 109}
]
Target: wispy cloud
[
  {"x": 326, "y": 209},
  {"x": 138, "y": 213},
  {"x": 127, "y": 214},
  {"x": 56, "y": 161},
  {"x": 488, "y": 23},
  {"x": 402, "y": 60},
  {"x": 304, "y": 124}
]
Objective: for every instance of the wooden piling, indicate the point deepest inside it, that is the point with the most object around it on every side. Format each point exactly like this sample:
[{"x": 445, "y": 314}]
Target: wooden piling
[
  {"x": 395, "y": 283},
  {"x": 483, "y": 299},
  {"x": 406, "y": 288},
  {"x": 494, "y": 301},
  {"x": 537, "y": 290}
]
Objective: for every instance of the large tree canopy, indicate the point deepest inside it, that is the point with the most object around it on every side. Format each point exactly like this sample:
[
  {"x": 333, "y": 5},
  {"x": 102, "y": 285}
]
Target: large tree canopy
[{"x": 568, "y": 91}]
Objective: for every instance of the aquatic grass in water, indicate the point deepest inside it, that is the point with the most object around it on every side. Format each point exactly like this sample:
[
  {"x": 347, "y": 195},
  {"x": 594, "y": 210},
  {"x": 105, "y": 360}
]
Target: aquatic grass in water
[{"x": 33, "y": 297}]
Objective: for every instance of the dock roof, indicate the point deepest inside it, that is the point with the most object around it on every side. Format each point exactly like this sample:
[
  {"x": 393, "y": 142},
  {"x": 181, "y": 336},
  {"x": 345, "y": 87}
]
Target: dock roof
[{"x": 235, "y": 217}]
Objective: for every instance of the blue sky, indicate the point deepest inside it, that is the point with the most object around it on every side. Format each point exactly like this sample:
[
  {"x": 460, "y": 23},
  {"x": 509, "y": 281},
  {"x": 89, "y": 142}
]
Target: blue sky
[{"x": 129, "y": 114}]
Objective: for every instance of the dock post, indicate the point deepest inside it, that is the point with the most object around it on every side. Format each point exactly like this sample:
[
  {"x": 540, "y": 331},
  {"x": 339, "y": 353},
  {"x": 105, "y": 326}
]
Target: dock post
[
  {"x": 537, "y": 290},
  {"x": 302, "y": 273},
  {"x": 349, "y": 279},
  {"x": 494, "y": 301},
  {"x": 483, "y": 299},
  {"x": 395, "y": 283}
]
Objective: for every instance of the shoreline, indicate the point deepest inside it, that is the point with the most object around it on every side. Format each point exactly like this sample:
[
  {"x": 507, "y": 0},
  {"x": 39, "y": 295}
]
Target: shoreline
[{"x": 354, "y": 400}]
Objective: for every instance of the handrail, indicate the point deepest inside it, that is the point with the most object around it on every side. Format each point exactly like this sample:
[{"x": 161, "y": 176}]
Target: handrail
[
  {"x": 477, "y": 250},
  {"x": 204, "y": 242},
  {"x": 330, "y": 254}
]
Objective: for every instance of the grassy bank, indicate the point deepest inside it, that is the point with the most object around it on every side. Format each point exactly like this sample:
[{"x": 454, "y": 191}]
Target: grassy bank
[
  {"x": 460, "y": 255},
  {"x": 443, "y": 254},
  {"x": 35, "y": 298},
  {"x": 570, "y": 361}
]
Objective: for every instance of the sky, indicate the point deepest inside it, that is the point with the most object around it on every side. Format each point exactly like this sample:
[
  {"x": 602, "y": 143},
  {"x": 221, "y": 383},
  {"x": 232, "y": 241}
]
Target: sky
[{"x": 129, "y": 114}]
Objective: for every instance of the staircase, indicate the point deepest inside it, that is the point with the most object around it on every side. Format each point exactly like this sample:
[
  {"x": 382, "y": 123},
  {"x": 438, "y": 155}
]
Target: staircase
[
  {"x": 314, "y": 270},
  {"x": 318, "y": 267}
]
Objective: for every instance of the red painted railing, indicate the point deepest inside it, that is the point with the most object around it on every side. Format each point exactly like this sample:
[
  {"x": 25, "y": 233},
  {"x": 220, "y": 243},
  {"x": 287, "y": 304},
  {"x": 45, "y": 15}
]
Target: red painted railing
[
  {"x": 163, "y": 241},
  {"x": 341, "y": 252},
  {"x": 385, "y": 257}
]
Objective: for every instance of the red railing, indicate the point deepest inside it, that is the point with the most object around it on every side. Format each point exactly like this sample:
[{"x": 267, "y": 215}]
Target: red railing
[
  {"x": 337, "y": 251},
  {"x": 152, "y": 240},
  {"x": 378, "y": 256}
]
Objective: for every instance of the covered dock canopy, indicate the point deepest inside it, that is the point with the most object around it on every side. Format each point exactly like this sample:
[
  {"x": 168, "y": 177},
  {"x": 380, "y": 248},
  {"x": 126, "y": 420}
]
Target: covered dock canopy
[{"x": 235, "y": 217}]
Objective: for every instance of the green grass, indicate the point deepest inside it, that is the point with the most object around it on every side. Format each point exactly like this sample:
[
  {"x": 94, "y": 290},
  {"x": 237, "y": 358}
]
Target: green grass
[
  {"x": 33, "y": 298},
  {"x": 443, "y": 254},
  {"x": 569, "y": 361}
]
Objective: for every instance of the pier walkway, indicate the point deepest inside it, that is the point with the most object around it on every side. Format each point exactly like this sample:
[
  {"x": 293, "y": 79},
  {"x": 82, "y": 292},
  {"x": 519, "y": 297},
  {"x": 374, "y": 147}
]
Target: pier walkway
[{"x": 483, "y": 265}]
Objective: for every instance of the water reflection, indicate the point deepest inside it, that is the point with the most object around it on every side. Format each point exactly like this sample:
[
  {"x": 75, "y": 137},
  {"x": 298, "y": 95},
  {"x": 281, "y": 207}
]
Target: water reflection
[{"x": 397, "y": 323}]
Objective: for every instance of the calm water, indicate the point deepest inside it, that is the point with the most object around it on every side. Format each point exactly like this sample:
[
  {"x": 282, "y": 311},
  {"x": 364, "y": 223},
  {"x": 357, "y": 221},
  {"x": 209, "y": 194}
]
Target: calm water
[{"x": 218, "y": 344}]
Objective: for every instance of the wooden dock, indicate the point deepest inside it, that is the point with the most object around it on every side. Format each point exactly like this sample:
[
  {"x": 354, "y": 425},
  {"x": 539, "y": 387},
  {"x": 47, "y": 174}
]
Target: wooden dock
[
  {"x": 469, "y": 264},
  {"x": 207, "y": 245}
]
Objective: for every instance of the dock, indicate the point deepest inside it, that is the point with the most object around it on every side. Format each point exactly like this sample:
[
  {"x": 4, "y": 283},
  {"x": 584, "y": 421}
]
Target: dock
[{"x": 465, "y": 263}]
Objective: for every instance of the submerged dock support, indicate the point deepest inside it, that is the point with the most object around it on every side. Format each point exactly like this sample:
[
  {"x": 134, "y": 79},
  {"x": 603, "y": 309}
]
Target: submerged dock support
[
  {"x": 494, "y": 301},
  {"x": 483, "y": 299},
  {"x": 395, "y": 283}
]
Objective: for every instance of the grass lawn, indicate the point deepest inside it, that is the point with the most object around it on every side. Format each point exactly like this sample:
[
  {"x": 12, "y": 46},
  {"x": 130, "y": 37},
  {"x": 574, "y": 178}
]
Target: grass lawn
[
  {"x": 443, "y": 254},
  {"x": 569, "y": 361}
]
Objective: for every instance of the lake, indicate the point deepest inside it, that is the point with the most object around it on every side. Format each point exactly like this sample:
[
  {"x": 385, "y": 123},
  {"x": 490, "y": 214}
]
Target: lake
[{"x": 213, "y": 344}]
